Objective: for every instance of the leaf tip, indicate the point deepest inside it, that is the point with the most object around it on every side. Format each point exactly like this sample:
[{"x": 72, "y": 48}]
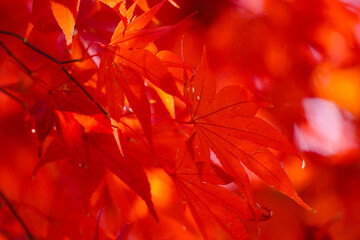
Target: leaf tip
[
  {"x": 172, "y": 2},
  {"x": 302, "y": 163},
  {"x": 153, "y": 212}
]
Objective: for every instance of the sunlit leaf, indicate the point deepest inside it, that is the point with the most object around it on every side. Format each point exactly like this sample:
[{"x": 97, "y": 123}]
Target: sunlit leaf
[{"x": 226, "y": 124}]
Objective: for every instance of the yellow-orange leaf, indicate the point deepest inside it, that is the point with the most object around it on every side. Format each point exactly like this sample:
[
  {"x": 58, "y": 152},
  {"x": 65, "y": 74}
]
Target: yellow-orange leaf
[{"x": 65, "y": 12}]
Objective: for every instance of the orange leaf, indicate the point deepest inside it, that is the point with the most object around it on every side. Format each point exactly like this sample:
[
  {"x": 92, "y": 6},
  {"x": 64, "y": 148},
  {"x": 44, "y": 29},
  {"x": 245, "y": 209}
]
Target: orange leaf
[
  {"x": 112, "y": 3},
  {"x": 137, "y": 24},
  {"x": 65, "y": 13},
  {"x": 135, "y": 35}
]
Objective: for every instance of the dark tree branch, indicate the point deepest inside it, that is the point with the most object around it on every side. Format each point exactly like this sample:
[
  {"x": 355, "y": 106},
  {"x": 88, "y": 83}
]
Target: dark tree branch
[
  {"x": 36, "y": 49},
  {"x": 24, "y": 104},
  {"x": 12, "y": 209},
  {"x": 54, "y": 60},
  {"x": 28, "y": 71},
  {"x": 85, "y": 91}
]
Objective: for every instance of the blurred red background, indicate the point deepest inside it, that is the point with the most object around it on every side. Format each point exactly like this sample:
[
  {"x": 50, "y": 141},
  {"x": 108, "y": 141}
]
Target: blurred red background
[{"x": 302, "y": 56}]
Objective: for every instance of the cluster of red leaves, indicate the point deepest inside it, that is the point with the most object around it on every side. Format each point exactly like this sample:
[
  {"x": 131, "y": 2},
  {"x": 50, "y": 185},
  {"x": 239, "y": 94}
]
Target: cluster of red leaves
[
  {"x": 134, "y": 142},
  {"x": 303, "y": 57}
]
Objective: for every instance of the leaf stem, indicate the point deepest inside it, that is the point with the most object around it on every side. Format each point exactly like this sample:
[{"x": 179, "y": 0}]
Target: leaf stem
[{"x": 12, "y": 209}]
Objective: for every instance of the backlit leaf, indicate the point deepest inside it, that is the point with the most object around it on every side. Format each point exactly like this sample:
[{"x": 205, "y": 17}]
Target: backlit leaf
[
  {"x": 227, "y": 125},
  {"x": 102, "y": 147},
  {"x": 65, "y": 13},
  {"x": 113, "y": 91},
  {"x": 209, "y": 203}
]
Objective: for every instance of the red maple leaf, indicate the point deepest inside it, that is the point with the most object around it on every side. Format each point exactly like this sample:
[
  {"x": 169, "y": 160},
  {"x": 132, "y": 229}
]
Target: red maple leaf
[
  {"x": 225, "y": 123},
  {"x": 197, "y": 184}
]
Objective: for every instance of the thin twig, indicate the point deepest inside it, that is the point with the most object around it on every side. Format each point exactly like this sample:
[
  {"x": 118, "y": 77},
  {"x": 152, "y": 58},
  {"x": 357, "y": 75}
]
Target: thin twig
[
  {"x": 28, "y": 71},
  {"x": 54, "y": 60},
  {"x": 30, "y": 46},
  {"x": 12, "y": 209},
  {"x": 22, "y": 66},
  {"x": 85, "y": 91},
  {"x": 24, "y": 104},
  {"x": 72, "y": 61},
  {"x": 38, "y": 50}
]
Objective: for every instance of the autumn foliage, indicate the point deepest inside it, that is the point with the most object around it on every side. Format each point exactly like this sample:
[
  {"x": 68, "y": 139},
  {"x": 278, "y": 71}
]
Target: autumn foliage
[{"x": 179, "y": 119}]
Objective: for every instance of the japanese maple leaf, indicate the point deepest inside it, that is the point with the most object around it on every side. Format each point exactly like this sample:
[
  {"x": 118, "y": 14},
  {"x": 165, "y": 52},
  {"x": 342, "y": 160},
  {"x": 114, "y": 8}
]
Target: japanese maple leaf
[
  {"x": 120, "y": 82},
  {"x": 128, "y": 169},
  {"x": 72, "y": 146},
  {"x": 225, "y": 123},
  {"x": 91, "y": 137},
  {"x": 150, "y": 67},
  {"x": 133, "y": 33},
  {"x": 64, "y": 11},
  {"x": 197, "y": 183},
  {"x": 125, "y": 65},
  {"x": 61, "y": 95},
  {"x": 128, "y": 43},
  {"x": 113, "y": 91}
]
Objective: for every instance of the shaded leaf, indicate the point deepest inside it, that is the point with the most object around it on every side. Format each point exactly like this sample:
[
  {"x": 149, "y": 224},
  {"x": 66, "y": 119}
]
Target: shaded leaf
[
  {"x": 102, "y": 147},
  {"x": 54, "y": 152},
  {"x": 45, "y": 117},
  {"x": 211, "y": 173},
  {"x": 72, "y": 134},
  {"x": 96, "y": 234},
  {"x": 124, "y": 232},
  {"x": 113, "y": 91},
  {"x": 61, "y": 95},
  {"x": 210, "y": 203},
  {"x": 38, "y": 7},
  {"x": 134, "y": 89}
]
